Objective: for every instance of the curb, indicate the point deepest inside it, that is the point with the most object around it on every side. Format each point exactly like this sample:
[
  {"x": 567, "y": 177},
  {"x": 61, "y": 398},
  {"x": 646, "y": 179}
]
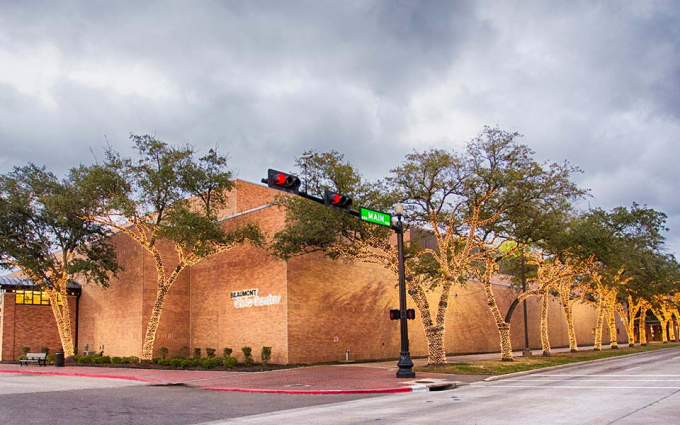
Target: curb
[
  {"x": 84, "y": 375},
  {"x": 316, "y": 392},
  {"x": 563, "y": 366}
]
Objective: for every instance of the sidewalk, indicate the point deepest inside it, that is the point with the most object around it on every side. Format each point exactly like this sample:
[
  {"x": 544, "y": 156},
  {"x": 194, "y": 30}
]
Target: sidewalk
[
  {"x": 348, "y": 378},
  {"x": 333, "y": 379}
]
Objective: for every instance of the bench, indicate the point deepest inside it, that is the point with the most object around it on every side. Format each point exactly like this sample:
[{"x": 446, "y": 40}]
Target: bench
[{"x": 40, "y": 358}]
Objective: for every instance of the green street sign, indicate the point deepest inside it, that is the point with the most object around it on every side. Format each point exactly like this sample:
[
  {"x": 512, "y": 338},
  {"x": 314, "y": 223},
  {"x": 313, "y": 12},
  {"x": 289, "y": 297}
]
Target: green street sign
[{"x": 376, "y": 217}]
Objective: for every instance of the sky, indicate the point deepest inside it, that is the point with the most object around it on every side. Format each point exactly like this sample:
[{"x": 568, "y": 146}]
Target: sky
[{"x": 596, "y": 83}]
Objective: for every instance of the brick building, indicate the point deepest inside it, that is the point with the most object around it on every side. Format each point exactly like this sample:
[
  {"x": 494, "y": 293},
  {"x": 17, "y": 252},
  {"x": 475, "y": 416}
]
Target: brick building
[{"x": 309, "y": 309}]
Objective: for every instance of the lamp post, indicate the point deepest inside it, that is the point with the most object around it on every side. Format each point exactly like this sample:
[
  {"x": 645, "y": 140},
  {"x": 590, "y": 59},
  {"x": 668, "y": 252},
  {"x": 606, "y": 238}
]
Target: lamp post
[{"x": 405, "y": 363}]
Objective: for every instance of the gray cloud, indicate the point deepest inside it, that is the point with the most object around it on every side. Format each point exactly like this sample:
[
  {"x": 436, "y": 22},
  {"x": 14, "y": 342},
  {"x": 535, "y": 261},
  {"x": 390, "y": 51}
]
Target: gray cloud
[{"x": 594, "y": 83}]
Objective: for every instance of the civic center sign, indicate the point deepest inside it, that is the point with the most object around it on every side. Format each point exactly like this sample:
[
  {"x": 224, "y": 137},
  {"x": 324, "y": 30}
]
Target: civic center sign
[{"x": 249, "y": 298}]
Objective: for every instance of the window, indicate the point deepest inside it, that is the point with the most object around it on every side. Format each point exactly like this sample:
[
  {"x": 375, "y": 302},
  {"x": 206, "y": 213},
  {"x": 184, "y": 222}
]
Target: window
[{"x": 34, "y": 297}]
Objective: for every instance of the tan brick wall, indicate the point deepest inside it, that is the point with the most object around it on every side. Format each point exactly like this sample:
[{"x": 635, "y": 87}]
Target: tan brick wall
[
  {"x": 321, "y": 300},
  {"x": 352, "y": 302},
  {"x": 30, "y": 326},
  {"x": 216, "y": 322}
]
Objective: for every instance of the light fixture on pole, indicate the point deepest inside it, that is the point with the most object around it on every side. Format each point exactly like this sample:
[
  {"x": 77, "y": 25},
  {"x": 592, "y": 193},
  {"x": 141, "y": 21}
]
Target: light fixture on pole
[{"x": 405, "y": 363}]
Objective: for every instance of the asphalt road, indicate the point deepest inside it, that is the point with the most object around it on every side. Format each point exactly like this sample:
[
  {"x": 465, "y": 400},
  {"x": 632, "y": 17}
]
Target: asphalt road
[
  {"x": 628, "y": 390},
  {"x": 57, "y": 400}
]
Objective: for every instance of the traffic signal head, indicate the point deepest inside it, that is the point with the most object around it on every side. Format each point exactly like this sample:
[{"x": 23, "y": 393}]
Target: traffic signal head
[
  {"x": 395, "y": 315},
  {"x": 410, "y": 314},
  {"x": 332, "y": 199},
  {"x": 282, "y": 181}
]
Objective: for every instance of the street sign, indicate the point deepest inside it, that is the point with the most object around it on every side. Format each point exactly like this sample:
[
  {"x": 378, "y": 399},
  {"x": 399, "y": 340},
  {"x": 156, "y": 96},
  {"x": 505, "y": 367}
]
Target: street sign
[{"x": 376, "y": 217}]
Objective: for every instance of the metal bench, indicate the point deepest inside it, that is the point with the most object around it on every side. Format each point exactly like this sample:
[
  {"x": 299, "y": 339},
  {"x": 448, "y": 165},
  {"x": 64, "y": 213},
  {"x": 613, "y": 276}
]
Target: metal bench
[{"x": 40, "y": 358}]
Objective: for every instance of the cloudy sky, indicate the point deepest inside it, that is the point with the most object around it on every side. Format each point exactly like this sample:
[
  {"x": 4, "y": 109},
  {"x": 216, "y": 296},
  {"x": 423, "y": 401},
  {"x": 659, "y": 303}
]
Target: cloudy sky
[{"x": 593, "y": 82}]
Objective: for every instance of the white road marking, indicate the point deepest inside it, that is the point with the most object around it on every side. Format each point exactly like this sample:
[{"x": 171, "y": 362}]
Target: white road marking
[
  {"x": 597, "y": 375},
  {"x": 632, "y": 368},
  {"x": 586, "y": 387},
  {"x": 593, "y": 380}
]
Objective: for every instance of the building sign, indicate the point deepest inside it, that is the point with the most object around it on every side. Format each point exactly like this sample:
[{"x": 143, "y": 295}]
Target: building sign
[{"x": 250, "y": 298}]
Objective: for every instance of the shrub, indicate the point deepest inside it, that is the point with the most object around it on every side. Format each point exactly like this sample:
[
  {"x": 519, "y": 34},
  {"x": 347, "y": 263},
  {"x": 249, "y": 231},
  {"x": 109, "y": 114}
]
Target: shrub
[
  {"x": 76, "y": 357},
  {"x": 164, "y": 353},
  {"x": 197, "y": 353},
  {"x": 210, "y": 353},
  {"x": 85, "y": 359},
  {"x": 50, "y": 358},
  {"x": 184, "y": 352},
  {"x": 131, "y": 359},
  {"x": 266, "y": 355},
  {"x": 105, "y": 359},
  {"x": 25, "y": 350},
  {"x": 209, "y": 363},
  {"x": 162, "y": 362},
  {"x": 45, "y": 350},
  {"x": 176, "y": 362},
  {"x": 247, "y": 355},
  {"x": 226, "y": 353},
  {"x": 188, "y": 363},
  {"x": 115, "y": 360},
  {"x": 96, "y": 358},
  {"x": 230, "y": 362}
]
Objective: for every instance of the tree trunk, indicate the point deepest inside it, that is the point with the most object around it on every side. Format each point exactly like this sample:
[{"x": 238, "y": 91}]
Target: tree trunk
[
  {"x": 503, "y": 326},
  {"x": 611, "y": 321},
  {"x": 152, "y": 326},
  {"x": 671, "y": 330},
  {"x": 436, "y": 353},
  {"x": 569, "y": 317},
  {"x": 598, "y": 326},
  {"x": 545, "y": 341},
  {"x": 63, "y": 318},
  {"x": 642, "y": 326}
]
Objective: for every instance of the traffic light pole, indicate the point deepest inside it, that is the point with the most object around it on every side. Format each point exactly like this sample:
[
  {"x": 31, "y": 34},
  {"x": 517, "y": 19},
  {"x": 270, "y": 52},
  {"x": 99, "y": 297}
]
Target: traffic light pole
[
  {"x": 405, "y": 363},
  {"x": 291, "y": 184}
]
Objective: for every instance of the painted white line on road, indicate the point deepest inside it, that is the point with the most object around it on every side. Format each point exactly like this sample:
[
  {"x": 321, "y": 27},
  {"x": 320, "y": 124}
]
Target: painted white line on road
[
  {"x": 593, "y": 380},
  {"x": 597, "y": 375},
  {"x": 585, "y": 387},
  {"x": 632, "y": 368},
  {"x": 675, "y": 358}
]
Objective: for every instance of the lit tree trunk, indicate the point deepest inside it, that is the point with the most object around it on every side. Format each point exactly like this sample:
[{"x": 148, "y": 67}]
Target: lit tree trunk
[
  {"x": 598, "y": 326},
  {"x": 565, "y": 293},
  {"x": 611, "y": 321},
  {"x": 545, "y": 341},
  {"x": 671, "y": 330},
  {"x": 63, "y": 318},
  {"x": 629, "y": 318},
  {"x": 664, "y": 324},
  {"x": 152, "y": 326},
  {"x": 642, "y": 324},
  {"x": 502, "y": 325},
  {"x": 434, "y": 333}
]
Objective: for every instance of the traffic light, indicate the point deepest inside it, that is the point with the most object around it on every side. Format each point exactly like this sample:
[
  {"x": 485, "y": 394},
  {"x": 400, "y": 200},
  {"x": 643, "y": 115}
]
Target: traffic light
[
  {"x": 282, "y": 181},
  {"x": 332, "y": 199},
  {"x": 410, "y": 314},
  {"x": 395, "y": 315}
]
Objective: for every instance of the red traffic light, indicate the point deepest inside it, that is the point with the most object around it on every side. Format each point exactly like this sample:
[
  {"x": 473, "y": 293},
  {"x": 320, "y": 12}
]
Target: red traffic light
[
  {"x": 282, "y": 181},
  {"x": 395, "y": 315},
  {"x": 410, "y": 314},
  {"x": 332, "y": 199}
]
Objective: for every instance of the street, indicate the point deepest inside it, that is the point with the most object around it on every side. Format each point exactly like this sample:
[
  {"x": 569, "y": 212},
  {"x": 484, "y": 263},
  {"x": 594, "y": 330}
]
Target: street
[
  {"x": 624, "y": 390},
  {"x": 627, "y": 390}
]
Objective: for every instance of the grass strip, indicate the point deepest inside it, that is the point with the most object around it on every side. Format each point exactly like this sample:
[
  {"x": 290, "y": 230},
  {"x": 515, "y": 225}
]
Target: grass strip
[{"x": 497, "y": 367}]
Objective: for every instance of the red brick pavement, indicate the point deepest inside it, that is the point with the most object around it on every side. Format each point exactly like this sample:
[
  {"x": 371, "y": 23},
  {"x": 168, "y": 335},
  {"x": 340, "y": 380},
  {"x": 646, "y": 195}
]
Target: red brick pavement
[{"x": 304, "y": 380}]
